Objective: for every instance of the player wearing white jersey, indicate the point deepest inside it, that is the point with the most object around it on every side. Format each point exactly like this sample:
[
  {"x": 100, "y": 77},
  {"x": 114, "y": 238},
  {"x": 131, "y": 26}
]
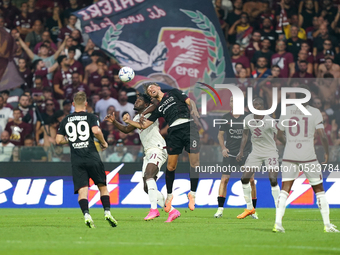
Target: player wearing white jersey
[
  {"x": 263, "y": 130},
  {"x": 299, "y": 154},
  {"x": 155, "y": 154}
]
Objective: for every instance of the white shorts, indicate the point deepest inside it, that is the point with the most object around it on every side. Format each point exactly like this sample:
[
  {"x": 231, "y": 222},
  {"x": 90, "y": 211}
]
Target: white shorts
[
  {"x": 312, "y": 170},
  {"x": 255, "y": 161},
  {"x": 154, "y": 156}
]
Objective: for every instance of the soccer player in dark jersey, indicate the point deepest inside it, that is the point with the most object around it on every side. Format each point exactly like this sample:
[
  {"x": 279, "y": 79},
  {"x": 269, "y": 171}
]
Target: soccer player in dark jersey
[
  {"x": 175, "y": 107},
  {"x": 78, "y": 129},
  {"x": 229, "y": 137}
]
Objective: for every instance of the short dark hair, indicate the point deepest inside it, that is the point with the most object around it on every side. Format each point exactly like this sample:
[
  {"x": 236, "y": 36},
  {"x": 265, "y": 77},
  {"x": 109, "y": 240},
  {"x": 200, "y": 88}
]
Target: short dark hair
[
  {"x": 238, "y": 63},
  {"x": 61, "y": 58},
  {"x": 5, "y": 92},
  {"x": 105, "y": 77},
  {"x": 275, "y": 66},
  {"x": 101, "y": 60},
  {"x": 145, "y": 98},
  {"x": 35, "y": 63},
  {"x": 38, "y": 77},
  {"x": 16, "y": 109},
  {"x": 303, "y": 61},
  {"x": 326, "y": 58},
  {"x": 72, "y": 48},
  {"x": 146, "y": 86},
  {"x": 259, "y": 100},
  {"x": 47, "y": 89}
]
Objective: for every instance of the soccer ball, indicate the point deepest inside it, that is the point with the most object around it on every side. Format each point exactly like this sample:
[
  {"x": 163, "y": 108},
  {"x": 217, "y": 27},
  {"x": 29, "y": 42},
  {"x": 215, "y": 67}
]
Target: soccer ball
[{"x": 126, "y": 74}]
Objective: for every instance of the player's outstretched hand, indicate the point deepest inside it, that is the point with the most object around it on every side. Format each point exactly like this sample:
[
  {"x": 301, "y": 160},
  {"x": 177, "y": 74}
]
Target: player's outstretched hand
[
  {"x": 110, "y": 118},
  {"x": 326, "y": 159},
  {"x": 126, "y": 117},
  {"x": 239, "y": 156},
  {"x": 225, "y": 153},
  {"x": 104, "y": 145}
]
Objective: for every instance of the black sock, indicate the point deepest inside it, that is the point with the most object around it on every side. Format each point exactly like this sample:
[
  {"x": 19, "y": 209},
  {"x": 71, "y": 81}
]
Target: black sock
[
  {"x": 220, "y": 201},
  {"x": 194, "y": 177},
  {"x": 254, "y": 202},
  {"x": 169, "y": 180},
  {"x": 84, "y": 205},
  {"x": 105, "y": 202}
]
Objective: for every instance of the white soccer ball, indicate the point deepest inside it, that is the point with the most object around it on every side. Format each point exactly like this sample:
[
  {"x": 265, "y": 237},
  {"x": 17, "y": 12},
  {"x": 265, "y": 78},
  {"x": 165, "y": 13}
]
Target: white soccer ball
[{"x": 126, "y": 74}]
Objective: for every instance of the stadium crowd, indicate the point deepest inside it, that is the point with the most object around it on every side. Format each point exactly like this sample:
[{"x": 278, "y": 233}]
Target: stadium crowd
[{"x": 267, "y": 39}]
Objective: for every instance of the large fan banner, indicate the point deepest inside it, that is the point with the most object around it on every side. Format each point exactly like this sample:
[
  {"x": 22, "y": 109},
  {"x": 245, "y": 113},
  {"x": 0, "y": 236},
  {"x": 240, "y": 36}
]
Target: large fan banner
[{"x": 176, "y": 42}]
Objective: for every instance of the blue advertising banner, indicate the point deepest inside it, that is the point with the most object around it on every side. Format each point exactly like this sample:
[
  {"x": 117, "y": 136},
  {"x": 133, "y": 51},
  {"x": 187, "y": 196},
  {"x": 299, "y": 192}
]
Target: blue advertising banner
[
  {"x": 125, "y": 185},
  {"x": 178, "y": 42}
]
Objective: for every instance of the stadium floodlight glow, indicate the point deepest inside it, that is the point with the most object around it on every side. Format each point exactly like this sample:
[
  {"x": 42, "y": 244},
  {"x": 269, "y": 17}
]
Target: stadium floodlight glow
[{"x": 238, "y": 102}]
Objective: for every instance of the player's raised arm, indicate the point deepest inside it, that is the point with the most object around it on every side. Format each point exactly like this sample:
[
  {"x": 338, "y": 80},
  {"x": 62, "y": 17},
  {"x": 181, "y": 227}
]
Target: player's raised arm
[
  {"x": 125, "y": 129},
  {"x": 324, "y": 141},
  {"x": 99, "y": 135},
  {"x": 243, "y": 144},
  {"x": 127, "y": 120},
  {"x": 220, "y": 138}
]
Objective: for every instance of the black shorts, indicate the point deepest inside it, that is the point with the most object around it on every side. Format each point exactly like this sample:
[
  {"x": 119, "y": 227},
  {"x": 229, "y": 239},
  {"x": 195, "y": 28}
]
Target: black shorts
[
  {"x": 232, "y": 164},
  {"x": 183, "y": 136},
  {"x": 82, "y": 172}
]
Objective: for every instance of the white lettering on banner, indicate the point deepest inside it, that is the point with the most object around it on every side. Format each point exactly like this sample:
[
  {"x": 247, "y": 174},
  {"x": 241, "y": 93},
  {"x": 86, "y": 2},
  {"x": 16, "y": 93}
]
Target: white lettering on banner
[
  {"x": 192, "y": 72},
  {"x": 137, "y": 196},
  {"x": 25, "y": 193},
  {"x": 333, "y": 192},
  {"x": 205, "y": 195},
  {"x": 238, "y": 198},
  {"x": 4, "y": 185},
  {"x": 56, "y": 190}
]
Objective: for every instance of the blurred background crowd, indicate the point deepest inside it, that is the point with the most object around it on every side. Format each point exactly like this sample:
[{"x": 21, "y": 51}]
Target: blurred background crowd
[{"x": 271, "y": 43}]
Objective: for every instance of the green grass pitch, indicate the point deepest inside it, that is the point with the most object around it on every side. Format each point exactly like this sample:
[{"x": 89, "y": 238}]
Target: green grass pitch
[{"x": 62, "y": 231}]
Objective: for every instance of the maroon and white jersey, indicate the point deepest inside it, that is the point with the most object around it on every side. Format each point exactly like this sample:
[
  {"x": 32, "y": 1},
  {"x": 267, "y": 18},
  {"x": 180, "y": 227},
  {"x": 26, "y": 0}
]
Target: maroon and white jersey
[
  {"x": 18, "y": 132},
  {"x": 70, "y": 90},
  {"x": 77, "y": 67},
  {"x": 43, "y": 74},
  {"x": 283, "y": 62},
  {"x": 23, "y": 22},
  {"x": 64, "y": 31},
  {"x": 28, "y": 77},
  {"x": 63, "y": 79}
]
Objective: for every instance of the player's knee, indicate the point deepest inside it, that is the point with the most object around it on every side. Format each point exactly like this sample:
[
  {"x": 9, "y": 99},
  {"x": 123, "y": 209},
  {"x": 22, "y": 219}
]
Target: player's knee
[
  {"x": 245, "y": 180},
  {"x": 273, "y": 182},
  {"x": 171, "y": 168}
]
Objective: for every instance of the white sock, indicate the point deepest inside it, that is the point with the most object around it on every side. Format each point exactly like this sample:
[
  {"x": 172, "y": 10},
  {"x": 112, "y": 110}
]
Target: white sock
[
  {"x": 152, "y": 191},
  {"x": 275, "y": 193},
  {"x": 160, "y": 199},
  {"x": 281, "y": 206},
  {"x": 107, "y": 212},
  {"x": 193, "y": 193},
  {"x": 171, "y": 209},
  {"x": 323, "y": 206},
  {"x": 247, "y": 195}
]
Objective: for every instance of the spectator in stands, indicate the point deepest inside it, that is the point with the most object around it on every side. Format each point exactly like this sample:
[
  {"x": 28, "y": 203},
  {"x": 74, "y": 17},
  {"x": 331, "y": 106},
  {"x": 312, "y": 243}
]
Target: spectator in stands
[
  {"x": 328, "y": 11},
  {"x": 18, "y": 129},
  {"x": 5, "y": 96},
  {"x": 317, "y": 103},
  {"x": 220, "y": 14},
  {"x": 284, "y": 60},
  {"x": 124, "y": 105},
  {"x": 37, "y": 90},
  {"x": 327, "y": 128},
  {"x": 232, "y": 17},
  {"x": 105, "y": 81},
  {"x": 45, "y": 118},
  {"x": 75, "y": 87},
  {"x": 41, "y": 70},
  {"x": 92, "y": 67},
  {"x": 77, "y": 40},
  {"x": 2, "y": 24},
  {"x": 335, "y": 24},
  {"x": 25, "y": 73},
  {"x": 303, "y": 56},
  {"x": 268, "y": 32},
  {"x": 312, "y": 31},
  {"x": 302, "y": 73},
  {"x": 19, "y": 53},
  {"x": 74, "y": 6},
  {"x": 22, "y": 23},
  {"x": 294, "y": 42},
  {"x": 329, "y": 67},
  {"x": 105, "y": 102},
  {"x": 294, "y": 21},
  {"x": 327, "y": 91},
  {"x": 9, "y": 12},
  {"x": 62, "y": 77},
  {"x": 121, "y": 154},
  {"x": 67, "y": 105},
  {"x": 86, "y": 58},
  {"x": 288, "y": 6},
  {"x": 33, "y": 12},
  {"x": 263, "y": 52},
  {"x": 95, "y": 77},
  {"x": 34, "y": 37},
  {"x": 67, "y": 30},
  {"x": 254, "y": 45},
  {"x": 306, "y": 16},
  {"x": 238, "y": 58},
  {"x": 27, "y": 113},
  {"x": 324, "y": 35},
  {"x": 6, "y": 114},
  {"x": 46, "y": 39},
  {"x": 6, "y": 147},
  {"x": 261, "y": 70},
  {"x": 327, "y": 50},
  {"x": 75, "y": 65},
  {"x": 54, "y": 24},
  {"x": 69, "y": 44},
  {"x": 128, "y": 139},
  {"x": 30, "y": 153},
  {"x": 242, "y": 29},
  {"x": 50, "y": 129}
]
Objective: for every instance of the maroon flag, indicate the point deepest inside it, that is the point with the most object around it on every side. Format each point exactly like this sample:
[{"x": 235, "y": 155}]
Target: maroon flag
[{"x": 9, "y": 74}]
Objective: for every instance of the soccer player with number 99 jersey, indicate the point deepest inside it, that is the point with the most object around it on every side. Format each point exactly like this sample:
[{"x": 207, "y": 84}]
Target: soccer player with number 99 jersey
[{"x": 79, "y": 129}]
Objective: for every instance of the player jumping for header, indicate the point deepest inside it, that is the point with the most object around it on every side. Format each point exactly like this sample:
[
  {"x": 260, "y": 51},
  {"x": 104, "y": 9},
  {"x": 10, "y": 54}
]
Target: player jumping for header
[
  {"x": 155, "y": 154},
  {"x": 175, "y": 107},
  {"x": 263, "y": 130},
  {"x": 79, "y": 129},
  {"x": 299, "y": 154}
]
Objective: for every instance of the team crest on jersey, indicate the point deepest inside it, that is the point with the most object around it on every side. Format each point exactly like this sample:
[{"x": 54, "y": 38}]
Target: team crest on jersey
[{"x": 112, "y": 179}]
